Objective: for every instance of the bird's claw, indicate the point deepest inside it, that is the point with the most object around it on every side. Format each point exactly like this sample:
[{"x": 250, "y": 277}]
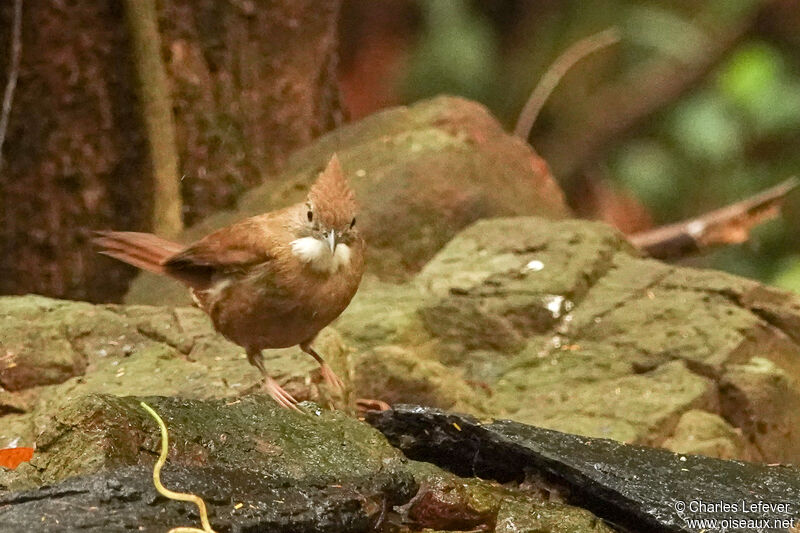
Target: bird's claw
[
  {"x": 283, "y": 398},
  {"x": 331, "y": 378}
]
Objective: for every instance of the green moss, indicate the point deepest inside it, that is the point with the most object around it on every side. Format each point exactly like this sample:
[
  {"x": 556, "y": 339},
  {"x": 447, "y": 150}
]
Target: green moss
[
  {"x": 398, "y": 375},
  {"x": 253, "y": 433},
  {"x": 764, "y": 402},
  {"x": 383, "y": 313},
  {"x": 703, "y": 433},
  {"x": 588, "y": 393},
  {"x": 70, "y": 349},
  {"x": 517, "y": 516}
]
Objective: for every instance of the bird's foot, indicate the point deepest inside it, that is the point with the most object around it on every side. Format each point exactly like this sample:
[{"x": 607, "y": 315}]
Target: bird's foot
[
  {"x": 331, "y": 378},
  {"x": 278, "y": 393},
  {"x": 368, "y": 404}
]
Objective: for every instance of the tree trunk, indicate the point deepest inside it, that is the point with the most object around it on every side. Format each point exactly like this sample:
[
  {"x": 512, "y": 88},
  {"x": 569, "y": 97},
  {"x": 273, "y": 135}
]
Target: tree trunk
[
  {"x": 250, "y": 82},
  {"x": 155, "y": 107}
]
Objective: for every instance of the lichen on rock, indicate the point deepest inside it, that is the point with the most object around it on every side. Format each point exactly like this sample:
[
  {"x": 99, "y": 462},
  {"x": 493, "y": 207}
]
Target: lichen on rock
[{"x": 563, "y": 324}]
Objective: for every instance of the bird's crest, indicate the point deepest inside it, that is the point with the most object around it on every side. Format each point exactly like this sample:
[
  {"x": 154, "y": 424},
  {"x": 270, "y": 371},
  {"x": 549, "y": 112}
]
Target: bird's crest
[{"x": 331, "y": 197}]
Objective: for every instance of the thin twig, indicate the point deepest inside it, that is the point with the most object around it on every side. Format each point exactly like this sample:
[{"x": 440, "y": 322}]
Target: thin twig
[
  {"x": 172, "y": 495},
  {"x": 616, "y": 110},
  {"x": 727, "y": 225},
  {"x": 557, "y": 70},
  {"x": 13, "y": 74}
]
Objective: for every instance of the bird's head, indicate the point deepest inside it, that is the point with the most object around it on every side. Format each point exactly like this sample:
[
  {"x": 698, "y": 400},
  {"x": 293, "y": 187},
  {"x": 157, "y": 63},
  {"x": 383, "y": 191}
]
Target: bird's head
[{"x": 326, "y": 228}]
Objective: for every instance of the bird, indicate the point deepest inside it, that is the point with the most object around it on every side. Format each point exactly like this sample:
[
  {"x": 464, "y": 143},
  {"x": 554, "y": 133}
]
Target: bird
[{"x": 270, "y": 281}]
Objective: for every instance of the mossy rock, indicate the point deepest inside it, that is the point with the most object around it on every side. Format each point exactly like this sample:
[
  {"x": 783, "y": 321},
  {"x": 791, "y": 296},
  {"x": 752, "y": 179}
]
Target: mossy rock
[
  {"x": 258, "y": 466},
  {"x": 555, "y": 323},
  {"x": 763, "y": 400},
  {"x": 399, "y": 375},
  {"x": 563, "y": 324},
  {"x": 446, "y": 502},
  {"x": 133, "y": 350},
  {"x": 702, "y": 433},
  {"x": 251, "y": 433}
]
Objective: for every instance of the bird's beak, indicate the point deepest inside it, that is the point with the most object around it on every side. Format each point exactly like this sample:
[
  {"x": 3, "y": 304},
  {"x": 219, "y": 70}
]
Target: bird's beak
[{"x": 330, "y": 238}]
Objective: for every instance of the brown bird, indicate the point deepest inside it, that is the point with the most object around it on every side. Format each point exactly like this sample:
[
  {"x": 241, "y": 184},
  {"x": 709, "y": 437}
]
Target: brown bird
[{"x": 269, "y": 281}]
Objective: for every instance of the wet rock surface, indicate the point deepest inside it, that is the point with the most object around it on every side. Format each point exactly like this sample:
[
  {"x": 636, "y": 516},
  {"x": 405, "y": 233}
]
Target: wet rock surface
[
  {"x": 125, "y": 500},
  {"x": 316, "y": 447},
  {"x": 643, "y": 489},
  {"x": 292, "y": 471},
  {"x": 258, "y": 468}
]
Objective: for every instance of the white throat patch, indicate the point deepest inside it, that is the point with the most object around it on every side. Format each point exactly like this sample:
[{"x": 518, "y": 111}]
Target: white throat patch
[{"x": 318, "y": 254}]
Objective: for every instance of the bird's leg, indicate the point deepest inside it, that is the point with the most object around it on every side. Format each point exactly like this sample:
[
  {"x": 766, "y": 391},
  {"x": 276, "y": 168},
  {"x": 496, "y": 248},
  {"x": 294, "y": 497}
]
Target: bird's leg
[
  {"x": 277, "y": 392},
  {"x": 328, "y": 374}
]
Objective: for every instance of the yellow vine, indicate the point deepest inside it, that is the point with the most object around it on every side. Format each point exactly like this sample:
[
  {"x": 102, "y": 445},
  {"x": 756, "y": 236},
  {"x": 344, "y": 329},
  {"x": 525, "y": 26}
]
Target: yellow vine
[{"x": 180, "y": 496}]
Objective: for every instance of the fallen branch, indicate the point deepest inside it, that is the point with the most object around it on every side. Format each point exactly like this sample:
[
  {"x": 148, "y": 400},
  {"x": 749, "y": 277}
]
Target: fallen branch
[
  {"x": 727, "y": 225},
  {"x": 13, "y": 74},
  {"x": 180, "y": 496},
  {"x": 556, "y": 71}
]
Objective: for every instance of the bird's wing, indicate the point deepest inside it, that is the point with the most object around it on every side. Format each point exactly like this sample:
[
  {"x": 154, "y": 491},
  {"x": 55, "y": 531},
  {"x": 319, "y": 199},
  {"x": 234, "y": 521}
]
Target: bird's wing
[{"x": 226, "y": 251}]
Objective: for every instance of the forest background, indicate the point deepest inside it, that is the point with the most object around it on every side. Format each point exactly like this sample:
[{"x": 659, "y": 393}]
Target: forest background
[{"x": 697, "y": 106}]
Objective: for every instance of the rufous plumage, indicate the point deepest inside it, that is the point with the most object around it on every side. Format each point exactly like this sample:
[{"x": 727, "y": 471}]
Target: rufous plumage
[{"x": 269, "y": 281}]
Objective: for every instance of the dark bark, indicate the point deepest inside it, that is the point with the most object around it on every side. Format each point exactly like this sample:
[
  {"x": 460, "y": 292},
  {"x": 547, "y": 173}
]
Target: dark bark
[
  {"x": 73, "y": 151},
  {"x": 250, "y": 82}
]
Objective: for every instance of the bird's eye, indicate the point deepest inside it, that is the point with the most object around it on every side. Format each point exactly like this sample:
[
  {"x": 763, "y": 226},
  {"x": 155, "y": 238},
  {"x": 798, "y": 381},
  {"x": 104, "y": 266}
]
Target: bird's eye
[
  {"x": 310, "y": 215},
  {"x": 352, "y": 222}
]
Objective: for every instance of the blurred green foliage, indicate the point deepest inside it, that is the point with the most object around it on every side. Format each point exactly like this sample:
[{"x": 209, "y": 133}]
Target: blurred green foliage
[
  {"x": 456, "y": 53},
  {"x": 732, "y": 135},
  {"x": 788, "y": 274},
  {"x": 765, "y": 93}
]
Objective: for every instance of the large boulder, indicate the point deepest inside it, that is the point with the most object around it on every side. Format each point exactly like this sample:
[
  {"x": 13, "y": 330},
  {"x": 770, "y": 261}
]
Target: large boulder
[
  {"x": 420, "y": 173},
  {"x": 562, "y": 324},
  {"x": 257, "y": 466},
  {"x": 250, "y": 433},
  {"x": 636, "y": 488}
]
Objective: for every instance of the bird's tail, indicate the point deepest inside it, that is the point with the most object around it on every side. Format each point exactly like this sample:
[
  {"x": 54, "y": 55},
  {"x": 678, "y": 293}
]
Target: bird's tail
[{"x": 142, "y": 250}]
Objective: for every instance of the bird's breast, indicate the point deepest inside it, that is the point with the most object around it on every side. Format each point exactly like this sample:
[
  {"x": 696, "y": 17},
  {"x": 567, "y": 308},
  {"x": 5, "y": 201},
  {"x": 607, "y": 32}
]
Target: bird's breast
[{"x": 281, "y": 305}]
